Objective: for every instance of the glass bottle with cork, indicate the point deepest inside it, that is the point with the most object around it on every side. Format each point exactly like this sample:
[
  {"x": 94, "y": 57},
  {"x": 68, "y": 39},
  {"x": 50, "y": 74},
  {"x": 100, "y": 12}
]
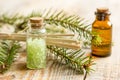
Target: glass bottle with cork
[
  {"x": 36, "y": 46},
  {"x": 102, "y": 27}
]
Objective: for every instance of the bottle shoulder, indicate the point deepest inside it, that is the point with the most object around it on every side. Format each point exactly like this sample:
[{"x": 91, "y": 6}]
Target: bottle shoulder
[
  {"x": 37, "y": 31},
  {"x": 106, "y": 24}
]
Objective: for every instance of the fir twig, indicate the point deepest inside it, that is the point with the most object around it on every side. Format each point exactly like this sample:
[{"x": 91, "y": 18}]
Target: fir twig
[
  {"x": 72, "y": 22},
  {"x": 8, "y": 52},
  {"x": 74, "y": 58}
]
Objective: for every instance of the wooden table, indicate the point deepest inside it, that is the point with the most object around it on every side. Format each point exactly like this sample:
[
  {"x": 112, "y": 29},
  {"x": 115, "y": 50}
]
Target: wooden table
[{"x": 105, "y": 69}]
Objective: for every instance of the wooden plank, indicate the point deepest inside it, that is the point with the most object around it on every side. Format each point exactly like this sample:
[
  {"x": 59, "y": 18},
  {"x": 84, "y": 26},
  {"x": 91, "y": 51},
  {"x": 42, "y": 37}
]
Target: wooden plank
[{"x": 53, "y": 71}]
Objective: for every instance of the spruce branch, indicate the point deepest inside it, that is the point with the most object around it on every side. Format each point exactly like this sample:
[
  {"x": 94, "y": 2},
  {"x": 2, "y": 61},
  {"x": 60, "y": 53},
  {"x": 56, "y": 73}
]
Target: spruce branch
[
  {"x": 58, "y": 18},
  {"x": 8, "y": 52},
  {"x": 74, "y": 23},
  {"x": 74, "y": 58}
]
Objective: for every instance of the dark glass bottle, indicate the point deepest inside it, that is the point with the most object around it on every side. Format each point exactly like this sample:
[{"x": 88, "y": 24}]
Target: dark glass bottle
[{"x": 103, "y": 27}]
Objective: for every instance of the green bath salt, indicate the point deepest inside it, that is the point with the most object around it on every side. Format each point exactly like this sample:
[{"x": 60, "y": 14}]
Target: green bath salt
[{"x": 36, "y": 53}]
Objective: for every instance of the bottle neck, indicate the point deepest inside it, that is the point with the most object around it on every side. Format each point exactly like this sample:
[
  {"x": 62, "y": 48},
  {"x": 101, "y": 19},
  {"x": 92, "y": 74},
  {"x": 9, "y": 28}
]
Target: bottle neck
[
  {"x": 36, "y": 28},
  {"x": 102, "y": 17}
]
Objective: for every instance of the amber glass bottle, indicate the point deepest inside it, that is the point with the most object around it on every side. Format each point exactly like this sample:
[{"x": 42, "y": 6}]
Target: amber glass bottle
[{"x": 103, "y": 27}]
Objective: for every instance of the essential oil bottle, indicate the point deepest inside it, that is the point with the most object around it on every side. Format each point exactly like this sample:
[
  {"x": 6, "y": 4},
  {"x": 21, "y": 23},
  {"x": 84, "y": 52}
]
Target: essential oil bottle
[
  {"x": 103, "y": 27},
  {"x": 36, "y": 44}
]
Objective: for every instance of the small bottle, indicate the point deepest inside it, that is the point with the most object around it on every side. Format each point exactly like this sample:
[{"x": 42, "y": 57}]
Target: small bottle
[
  {"x": 103, "y": 27},
  {"x": 36, "y": 45}
]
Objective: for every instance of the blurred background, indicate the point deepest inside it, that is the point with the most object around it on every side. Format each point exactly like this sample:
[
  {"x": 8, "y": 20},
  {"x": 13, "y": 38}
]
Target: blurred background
[{"x": 82, "y": 8}]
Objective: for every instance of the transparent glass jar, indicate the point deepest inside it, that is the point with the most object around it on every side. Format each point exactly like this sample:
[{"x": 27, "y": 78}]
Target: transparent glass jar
[{"x": 36, "y": 44}]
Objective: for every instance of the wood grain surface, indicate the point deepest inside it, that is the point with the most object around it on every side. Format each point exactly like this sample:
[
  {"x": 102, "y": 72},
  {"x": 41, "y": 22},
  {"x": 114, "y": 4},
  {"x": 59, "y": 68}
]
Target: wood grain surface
[{"x": 105, "y": 69}]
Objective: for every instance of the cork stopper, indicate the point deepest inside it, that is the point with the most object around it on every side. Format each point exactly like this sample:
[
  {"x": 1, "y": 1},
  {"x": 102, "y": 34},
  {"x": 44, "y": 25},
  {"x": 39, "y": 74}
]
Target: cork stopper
[
  {"x": 102, "y": 10},
  {"x": 36, "y": 22}
]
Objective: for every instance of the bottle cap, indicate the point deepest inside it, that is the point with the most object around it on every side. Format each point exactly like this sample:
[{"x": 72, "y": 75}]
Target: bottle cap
[
  {"x": 36, "y": 22},
  {"x": 102, "y": 10}
]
